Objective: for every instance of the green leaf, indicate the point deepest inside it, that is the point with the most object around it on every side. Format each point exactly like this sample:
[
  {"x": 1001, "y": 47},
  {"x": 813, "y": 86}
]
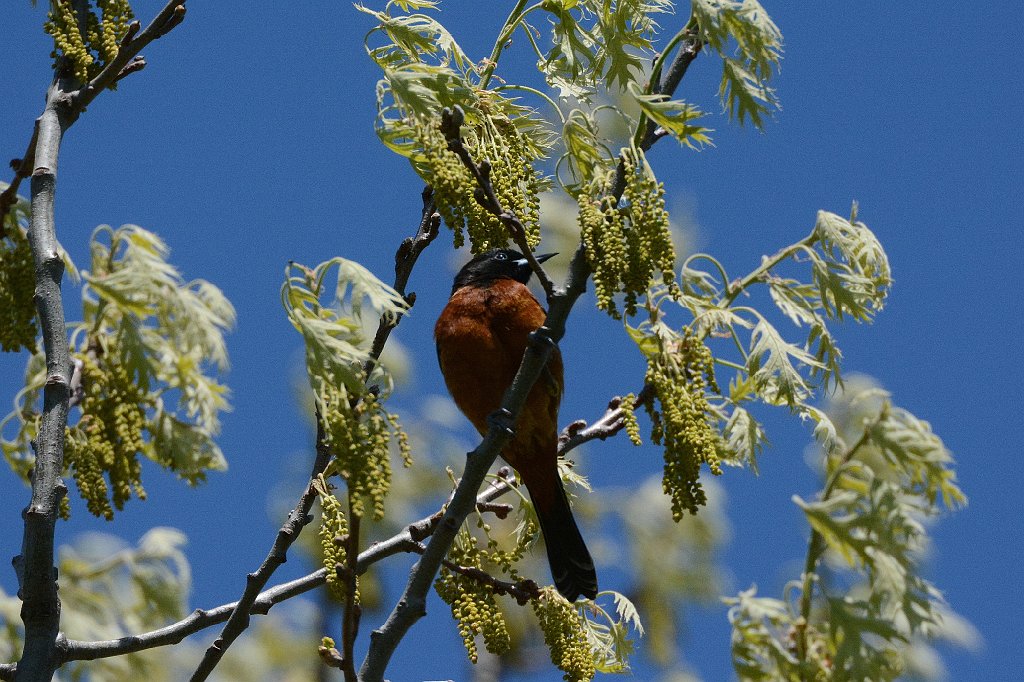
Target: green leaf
[
  {"x": 409, "y": 38},
  {"x": 854, "y": 277},
  {"x": 744, "y": 89},
  {"x": 745, "y": 437},
  {"x": 585, "y": 152},
  {"x": 799, "y": 302},
  {"x": 330, "y": 320},
  {"x": 768, "y": 362},
  {"x": 674, "y": 116}
]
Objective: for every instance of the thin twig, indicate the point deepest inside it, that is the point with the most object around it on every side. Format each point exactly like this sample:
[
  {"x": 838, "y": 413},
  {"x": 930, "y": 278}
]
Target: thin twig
[
  {"x": 405, "y": 260},
  {"x": 352, "y": 610},
  {"x": 125, "y": 63},
  {"x": 298, "y": 518},
  {"x": 200, "y": 619},
  {"x": 816, "y": 544},
  {"x": 611, "y": 422}
]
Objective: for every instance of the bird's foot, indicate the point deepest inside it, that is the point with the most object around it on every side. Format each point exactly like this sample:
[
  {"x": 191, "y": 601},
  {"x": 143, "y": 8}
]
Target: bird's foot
[
  {"x": 502, "y": 420},
  {"x": 542, "y": 337}
]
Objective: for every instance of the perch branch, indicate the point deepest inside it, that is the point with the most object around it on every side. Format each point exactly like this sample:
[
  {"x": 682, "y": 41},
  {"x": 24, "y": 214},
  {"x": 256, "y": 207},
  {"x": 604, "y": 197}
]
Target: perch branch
[{"x": 412, "y": 604}]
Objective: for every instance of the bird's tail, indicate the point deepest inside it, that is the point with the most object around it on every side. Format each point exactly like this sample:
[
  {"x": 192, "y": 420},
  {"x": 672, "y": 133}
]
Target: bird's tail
[{"x": 571, "y": 565}]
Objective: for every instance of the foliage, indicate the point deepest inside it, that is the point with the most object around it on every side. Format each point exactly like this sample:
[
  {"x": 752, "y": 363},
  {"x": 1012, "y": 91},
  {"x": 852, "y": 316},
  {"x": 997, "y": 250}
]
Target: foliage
[
  {"x": 149, "y": 349},
  {"x": 109, "y": 590},
  {"x": 871, "y": 516},
  {"x": 91, "y": 46},
  {"x": 145, "y": 352},
  {"x": 758, "y": 48},
  {"x": 348, "y": 382}
]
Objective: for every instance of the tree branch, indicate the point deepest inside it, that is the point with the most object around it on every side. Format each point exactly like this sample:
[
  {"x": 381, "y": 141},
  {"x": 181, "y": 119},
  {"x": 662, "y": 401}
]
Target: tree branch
[
  {"x": 611, "y": 422},
  {"x": 298, "y": 518},
  {"x": 405, "y": 541},
  {"x": 37, "y": 576},
  {"x": 79, "y": 98},
  {"x": 405, "y": 260},
  {"x": 412, "y": 604}
]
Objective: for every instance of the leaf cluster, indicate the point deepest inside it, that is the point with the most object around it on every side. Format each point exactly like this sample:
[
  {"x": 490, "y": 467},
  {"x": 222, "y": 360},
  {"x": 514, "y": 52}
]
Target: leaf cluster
[
  {"x": 871, "y": 516},
  {"x": 147, "y": 353},
  {"x": 348, "y": 382},
  {"x": 747, "y": 69}
]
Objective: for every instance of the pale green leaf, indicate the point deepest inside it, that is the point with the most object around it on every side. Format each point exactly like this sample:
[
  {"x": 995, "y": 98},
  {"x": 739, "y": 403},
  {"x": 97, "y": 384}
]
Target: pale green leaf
[{"x": 674, "y": 116}]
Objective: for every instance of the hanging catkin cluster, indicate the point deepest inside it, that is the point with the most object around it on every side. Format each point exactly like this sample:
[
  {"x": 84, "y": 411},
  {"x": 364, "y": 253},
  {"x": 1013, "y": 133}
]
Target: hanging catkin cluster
[
  {"x": 516, "y": 183},
  {"x": 472, "y": 602},
  {"x": 106, "y": 22},
  {"x": 359, "y": 436},
  {"x": 17, "y": 285},
  {"x": 627, "y": 242},
  {"x": 108, "y": 438},
  {"x": 333, "y": 527},
  {"x": 564, "y": 636},
  {"x": 681, "y": 376}
]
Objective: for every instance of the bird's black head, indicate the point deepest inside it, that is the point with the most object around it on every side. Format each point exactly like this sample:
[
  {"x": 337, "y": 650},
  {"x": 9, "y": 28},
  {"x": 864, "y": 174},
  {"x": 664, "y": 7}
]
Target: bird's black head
[{"x": 494, "y": 265}]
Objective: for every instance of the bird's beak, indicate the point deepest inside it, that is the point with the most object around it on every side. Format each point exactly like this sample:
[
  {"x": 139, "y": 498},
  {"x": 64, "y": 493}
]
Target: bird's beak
[{"x": 541, "y": 259}]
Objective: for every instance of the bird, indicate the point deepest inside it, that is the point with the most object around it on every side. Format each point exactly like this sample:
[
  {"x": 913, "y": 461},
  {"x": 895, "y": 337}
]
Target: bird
[{"x": 481, "y": 336}]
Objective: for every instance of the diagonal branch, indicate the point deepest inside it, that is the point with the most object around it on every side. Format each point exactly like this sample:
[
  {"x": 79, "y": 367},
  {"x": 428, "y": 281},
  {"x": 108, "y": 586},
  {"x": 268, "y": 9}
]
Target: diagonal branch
[
  {"x": 412, "y": 604},
  {"x": 405, "y": 260},
  {"x": 298, "y": 518}
]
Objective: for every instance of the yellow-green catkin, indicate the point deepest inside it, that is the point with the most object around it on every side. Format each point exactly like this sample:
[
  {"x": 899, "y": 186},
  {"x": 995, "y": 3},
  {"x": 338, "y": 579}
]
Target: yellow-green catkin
[
  {"x": 681, "y": 377},
  {"x": 472, "y": 601},
  {"x": 333, "y": 528},
  {"x": 629, "y": 421},
  {"x": 17, "y": 285},
  {"x": 360, "y": 437},
  {"x": 627, "y": 242},
  {"x": 516, "y": 182},
  {"x": 564, "y": 635},
  {"x": 108, "y": 438},
  {"x": 105, "y": 24}
]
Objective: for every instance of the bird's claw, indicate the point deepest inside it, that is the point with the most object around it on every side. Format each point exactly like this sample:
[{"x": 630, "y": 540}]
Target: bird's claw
[
  {"x": 542, "y": 336},
  {"x": 501, "y": 419}
]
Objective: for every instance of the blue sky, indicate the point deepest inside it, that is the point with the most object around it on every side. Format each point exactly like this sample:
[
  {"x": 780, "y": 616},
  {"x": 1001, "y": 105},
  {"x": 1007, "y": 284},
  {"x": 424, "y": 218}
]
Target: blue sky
[{"x": 248, "y": 142}]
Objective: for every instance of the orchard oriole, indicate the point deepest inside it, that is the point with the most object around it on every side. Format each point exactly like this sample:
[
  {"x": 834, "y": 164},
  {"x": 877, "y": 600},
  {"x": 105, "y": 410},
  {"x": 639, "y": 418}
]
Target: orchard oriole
[{"x": 481, "y": 336}]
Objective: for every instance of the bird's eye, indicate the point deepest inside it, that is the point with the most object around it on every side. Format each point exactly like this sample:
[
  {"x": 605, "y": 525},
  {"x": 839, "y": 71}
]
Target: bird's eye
[{"x": 501, "y": 256}]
